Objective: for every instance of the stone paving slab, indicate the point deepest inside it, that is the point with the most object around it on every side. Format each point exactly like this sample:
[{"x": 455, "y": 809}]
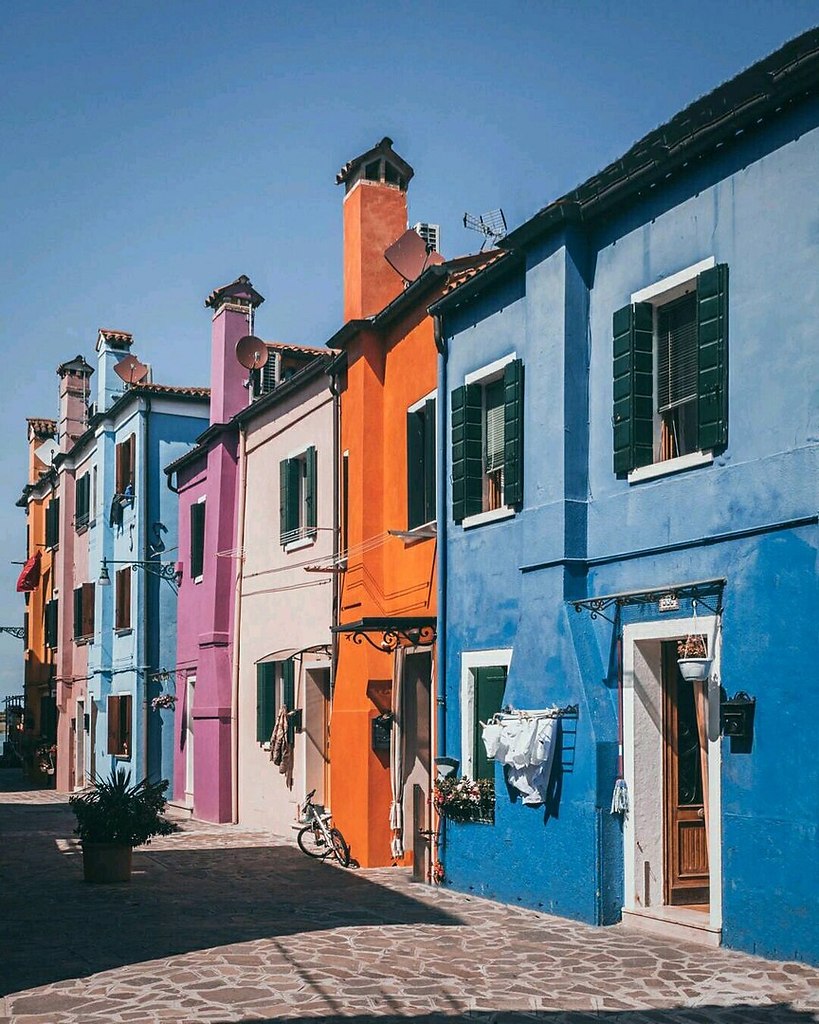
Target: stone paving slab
[{"x": 221, "y": 925}]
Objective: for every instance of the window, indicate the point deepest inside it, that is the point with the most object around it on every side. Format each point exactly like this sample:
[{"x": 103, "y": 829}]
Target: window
[
  {"x": 265, "y": 379},
  {"x": 297, "y": 497},
  {"x": 275, "y": 687},
  {"x": 52, "y": 523},
  {"x": 483, "y": 683},
  {"x": 122, "y": 615},
  {"x": 197, "y": 539},
  {"x": 50, "y": 623},
  {"x": 119, "y": 725},
  {"x": 82, "y": 501},
  {"x": 487, "y": 441},
  {"x": 670, "y": 353},
  {"x": 125, "y": 454},
  {"x": 421, "y": 463},
  {"x": 84, "y": 612}
]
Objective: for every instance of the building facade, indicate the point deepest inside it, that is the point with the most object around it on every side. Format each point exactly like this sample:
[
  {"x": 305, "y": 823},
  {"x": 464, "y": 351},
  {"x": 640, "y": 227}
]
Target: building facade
[{"x": 646, "y": 351}]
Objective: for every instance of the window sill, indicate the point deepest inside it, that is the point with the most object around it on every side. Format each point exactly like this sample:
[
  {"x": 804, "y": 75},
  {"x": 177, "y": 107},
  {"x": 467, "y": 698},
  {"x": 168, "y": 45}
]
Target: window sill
[
  {"x": 83, "y": 641},
  {"x": 493, "y": 516},
  {"x": 81, "y": 528},
  {"x": 124, "y": 631},
  {"x": 669, "y": 466},
  {"x": 297, "y": 545},
  {"x": 197, "y": 579}
]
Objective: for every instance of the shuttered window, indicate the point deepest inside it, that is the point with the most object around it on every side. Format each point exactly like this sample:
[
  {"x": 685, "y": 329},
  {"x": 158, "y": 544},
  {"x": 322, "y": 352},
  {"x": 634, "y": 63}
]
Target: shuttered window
[
  {"x": 122, "y": 615},
  {"x": 265, "y": 700},
  {"x": 50, "y": 613},
  {"x": 676, "y": 353},
  {"x": 52, "y": 523},
  {"x": 487, "y": 444},
  {"x": 490, "y": 683},
  {"x": 82, "y": 501},
  {"x": 421, "y": 454},
  {"x": 125, "y": 460},
  {"x": 119, "y": 725},
  {"x": 197, "y": 539},
  {"x": 84, "y": 611},
  {"x": 298, "y": 497}
]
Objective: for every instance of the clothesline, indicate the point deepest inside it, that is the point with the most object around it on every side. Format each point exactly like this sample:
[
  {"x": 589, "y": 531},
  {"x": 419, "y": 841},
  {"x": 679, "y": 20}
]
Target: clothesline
[{"x": 515, "y": 715}]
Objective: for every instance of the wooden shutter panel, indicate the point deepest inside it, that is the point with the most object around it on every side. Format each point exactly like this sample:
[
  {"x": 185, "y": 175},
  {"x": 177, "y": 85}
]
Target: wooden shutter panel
[
  {"x": 125, "y": 724},
  {"x": 310, "y": 491},
  {"x": 295, "y": 470},
  {"x": 113, "y": 725},
  {"x": 265, "y": 700},
  {"x": 78, "y": 613},
  {"x": 467, "y": 456},
  {"x": 289, "y": 696},
  {"x": 415, "y": 470},
  {"x": 55, "y": 521},
  {"x": 712, "y": 358},
  {"x": 490, "y": 682},
  {"x": 284, "y": 484},
  {"x": 131, "y": 462},
  {"x": 430, "y": 458},
  {"x": 513, "y": 433},
  {"x": 633, "y": 415},
  {"x": 197, "y": 538},
  {"x": 88, "y": 598}
]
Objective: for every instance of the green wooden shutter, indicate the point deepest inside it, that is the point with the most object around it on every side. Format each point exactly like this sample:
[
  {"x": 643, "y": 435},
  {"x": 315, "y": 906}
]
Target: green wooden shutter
[
  {"x": 88, "y": 601},
  {"x": 513, "y": 433},
  {"x": 467, "y": 454},
  {"x": 289, "y": 695},
  {"x": 415, "y": 470},
  {"x": 490, "y": 683},
  {"x": 310, "y": 494},
  {"x": 712, "y": 358},
  {"x": 265, "y": 700},
  {"x": 295, "y": 471},
  {"x": 430, "y": 458},
  {"x": 284, "y": 482},
  {"x": 633, "y": 416},
  {"x": 78, "y": 613}
]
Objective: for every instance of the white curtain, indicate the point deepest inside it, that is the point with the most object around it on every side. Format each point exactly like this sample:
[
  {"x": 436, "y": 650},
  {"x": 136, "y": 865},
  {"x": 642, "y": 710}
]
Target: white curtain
[{"x": 397, "y": 755}]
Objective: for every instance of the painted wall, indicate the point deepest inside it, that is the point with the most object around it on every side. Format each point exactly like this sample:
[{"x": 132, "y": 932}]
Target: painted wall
[
  {"x": 745, "y": 208},
  {"x": 282, "y": 606}
]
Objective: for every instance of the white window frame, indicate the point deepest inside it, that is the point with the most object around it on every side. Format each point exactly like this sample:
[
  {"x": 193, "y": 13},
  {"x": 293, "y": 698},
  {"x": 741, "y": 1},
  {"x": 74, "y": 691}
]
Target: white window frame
[
  {"x": 659, "y": 294},
  {"x": 301, "y": 540},
  {"x": 201, "y": 500},
  {"x": 470, "y": 660},
  {"x": 417, "y": 407},
  {"x": 488, "y": 375}
]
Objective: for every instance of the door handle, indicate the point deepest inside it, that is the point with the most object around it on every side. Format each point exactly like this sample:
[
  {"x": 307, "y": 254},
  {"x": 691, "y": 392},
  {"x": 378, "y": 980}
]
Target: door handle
[{"x": 701, "y": 812}]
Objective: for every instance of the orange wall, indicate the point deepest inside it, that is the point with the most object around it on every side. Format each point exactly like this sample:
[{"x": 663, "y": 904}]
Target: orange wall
[{"x": 386, "y": 375}]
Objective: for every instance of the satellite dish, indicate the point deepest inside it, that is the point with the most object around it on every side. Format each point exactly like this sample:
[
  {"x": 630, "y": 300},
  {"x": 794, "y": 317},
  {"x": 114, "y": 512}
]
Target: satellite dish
[
  {"x": 46, "y": 452},
  {"x": 251, "y": 352},
  {"x": 131, "y": 370},
  {"x": 410, "y": 256}
]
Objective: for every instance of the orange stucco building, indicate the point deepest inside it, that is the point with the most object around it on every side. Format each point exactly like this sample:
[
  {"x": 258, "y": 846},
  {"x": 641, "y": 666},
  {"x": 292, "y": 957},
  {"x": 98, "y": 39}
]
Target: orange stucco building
[{"x": 381, "y": 730}]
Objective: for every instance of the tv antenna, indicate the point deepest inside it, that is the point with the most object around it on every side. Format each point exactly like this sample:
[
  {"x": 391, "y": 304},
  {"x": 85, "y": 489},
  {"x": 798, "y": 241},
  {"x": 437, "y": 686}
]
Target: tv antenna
[
  {"x": 131, "y": 370},
  {"x": 491, "y": 225},
  {"x": 252, "y": 353}
]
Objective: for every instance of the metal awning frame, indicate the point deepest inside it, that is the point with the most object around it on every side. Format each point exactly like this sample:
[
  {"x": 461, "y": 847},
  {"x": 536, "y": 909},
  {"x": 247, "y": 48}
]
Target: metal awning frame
[
  {"x": 696, "y": 590},
  {"x": 289, "y": 653},
  {"x": 396, "y": 631}
]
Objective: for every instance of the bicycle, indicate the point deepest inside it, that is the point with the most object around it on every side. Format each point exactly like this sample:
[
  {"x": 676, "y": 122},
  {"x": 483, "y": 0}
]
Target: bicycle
[{"x": 318, "y": 838}]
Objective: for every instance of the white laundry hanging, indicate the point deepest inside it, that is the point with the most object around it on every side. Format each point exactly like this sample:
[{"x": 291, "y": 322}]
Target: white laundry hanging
[{"x": 524, "y": 743}]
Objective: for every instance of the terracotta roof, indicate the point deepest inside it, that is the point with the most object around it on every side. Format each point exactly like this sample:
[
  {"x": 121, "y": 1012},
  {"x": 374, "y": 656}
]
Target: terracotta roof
[
  {"x": 42, "y": 427},
  {"x": 170, "y": 389},
  {"x": 283, "y": 346},
  {"x": 459, "y": 277},
  {"x": 241, "y": 288},
  {"x": 116, "y": 335}
]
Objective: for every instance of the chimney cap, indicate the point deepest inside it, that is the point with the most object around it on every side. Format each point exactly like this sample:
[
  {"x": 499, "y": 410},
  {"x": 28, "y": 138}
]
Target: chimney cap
[
  {"x": 381, "y": 163},
  {"x": 77, "y": 366},
  {"x": 241, "y": 290},
  {"x": 41, "y": 428},
  {"x": 114, "y": 339}
]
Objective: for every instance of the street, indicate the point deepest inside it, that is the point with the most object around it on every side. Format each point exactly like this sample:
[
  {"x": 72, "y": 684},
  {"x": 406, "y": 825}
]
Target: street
[{"x": 220, "y": 924}]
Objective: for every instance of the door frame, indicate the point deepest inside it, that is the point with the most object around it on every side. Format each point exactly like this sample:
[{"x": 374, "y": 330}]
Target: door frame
[
  {"x": 189, "y": 794},
  {"x": 636, "y": 713}
]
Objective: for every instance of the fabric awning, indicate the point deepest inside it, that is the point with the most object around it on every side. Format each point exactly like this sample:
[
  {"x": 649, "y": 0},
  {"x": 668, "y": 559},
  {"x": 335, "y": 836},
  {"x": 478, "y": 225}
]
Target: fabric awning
[
  {"x": 29, "y": 577},
  {"x": 294, "y": 652}
]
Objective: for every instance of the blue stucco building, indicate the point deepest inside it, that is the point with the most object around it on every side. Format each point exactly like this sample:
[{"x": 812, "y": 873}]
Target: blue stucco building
[
  {"x": 629, "y": 405},
  {"x": 133, "y": 433}
]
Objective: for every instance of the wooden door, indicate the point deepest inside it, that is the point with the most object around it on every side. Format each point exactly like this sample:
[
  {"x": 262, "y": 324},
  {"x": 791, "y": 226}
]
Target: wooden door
[
  {"x": 417, "y": 710},
  {"x": 316, "y": 732},
  {"x": 685, "y": 840}
]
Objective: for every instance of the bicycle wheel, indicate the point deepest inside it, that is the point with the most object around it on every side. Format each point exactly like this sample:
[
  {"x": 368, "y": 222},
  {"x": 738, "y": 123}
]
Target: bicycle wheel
[
  {"x": 341, "y": 850},
  {"x": 312, "y": 842}
]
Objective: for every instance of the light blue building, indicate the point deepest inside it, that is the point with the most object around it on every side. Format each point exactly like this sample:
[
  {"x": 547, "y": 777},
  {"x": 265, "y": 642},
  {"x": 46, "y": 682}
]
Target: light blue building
[
  {"x": 630, "y": 398},
  {"x": 134, "y": 431}
]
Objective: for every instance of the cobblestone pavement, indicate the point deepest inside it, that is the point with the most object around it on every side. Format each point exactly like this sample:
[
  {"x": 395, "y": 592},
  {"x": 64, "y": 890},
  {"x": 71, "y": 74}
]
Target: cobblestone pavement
[{"x": 220, "y": 925}]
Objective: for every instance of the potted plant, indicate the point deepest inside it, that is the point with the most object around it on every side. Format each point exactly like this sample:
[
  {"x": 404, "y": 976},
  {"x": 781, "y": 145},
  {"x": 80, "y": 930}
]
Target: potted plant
[
  {"x": 112, "y": 818},
  {"x": 465, "y": 799},
  {"x": 692, "y": 658}
]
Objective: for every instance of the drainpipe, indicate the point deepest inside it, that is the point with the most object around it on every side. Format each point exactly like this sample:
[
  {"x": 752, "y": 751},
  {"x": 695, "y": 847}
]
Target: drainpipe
[
  {"x": 337, "y": 457},
  {"x": 440, "y": 516},
  {"x": 237, "y": 626},
  {"x": 142, "y": 499}
]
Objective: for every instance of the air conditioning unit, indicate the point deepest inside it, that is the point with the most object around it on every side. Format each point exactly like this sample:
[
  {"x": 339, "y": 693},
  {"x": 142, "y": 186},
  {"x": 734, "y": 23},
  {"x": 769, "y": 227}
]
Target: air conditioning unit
[{"x": 431, "y": 234}]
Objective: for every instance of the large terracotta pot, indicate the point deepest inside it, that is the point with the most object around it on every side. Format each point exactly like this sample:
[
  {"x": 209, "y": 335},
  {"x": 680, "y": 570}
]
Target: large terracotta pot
[{"x": 106, "y": 862}]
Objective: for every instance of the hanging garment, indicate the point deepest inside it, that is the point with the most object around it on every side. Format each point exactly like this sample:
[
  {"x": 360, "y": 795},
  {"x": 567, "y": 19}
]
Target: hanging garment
[
  {"x": 115, "y": 516},
  {"x": 279, "y": 745},
  {"x": 29, "y": 578},
  {"x": 525, "y": 747}
]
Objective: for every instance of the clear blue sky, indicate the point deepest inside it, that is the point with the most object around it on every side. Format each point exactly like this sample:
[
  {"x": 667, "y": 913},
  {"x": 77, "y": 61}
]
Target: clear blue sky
[{"x": 154, "y": 150}]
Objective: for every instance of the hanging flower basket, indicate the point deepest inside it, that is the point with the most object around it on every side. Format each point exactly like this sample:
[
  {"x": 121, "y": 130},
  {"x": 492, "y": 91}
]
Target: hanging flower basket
[
  {"x": 164, "y": 700},
  {"x": 692, "y": 658},
  {"x": 465, "y": 800}
]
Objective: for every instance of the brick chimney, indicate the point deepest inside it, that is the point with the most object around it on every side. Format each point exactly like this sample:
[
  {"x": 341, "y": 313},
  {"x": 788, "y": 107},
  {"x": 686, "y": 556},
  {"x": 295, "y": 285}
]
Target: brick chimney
[
  {"x": 233, "y": 305},
  {"x": 112, "y": 346},
  {"x": 375, "y": 216},
  {"x": 75, "y": 387}
]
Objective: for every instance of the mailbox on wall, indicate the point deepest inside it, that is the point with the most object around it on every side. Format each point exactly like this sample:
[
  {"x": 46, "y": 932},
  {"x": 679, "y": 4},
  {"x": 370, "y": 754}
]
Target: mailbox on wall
[{"x": 381, "y": 729}]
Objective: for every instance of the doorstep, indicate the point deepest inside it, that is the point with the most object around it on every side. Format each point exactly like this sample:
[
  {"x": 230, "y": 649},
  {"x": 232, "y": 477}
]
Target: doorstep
[
  {"x": 180, "y": 809},
  {"x": 673, "y": 923}
]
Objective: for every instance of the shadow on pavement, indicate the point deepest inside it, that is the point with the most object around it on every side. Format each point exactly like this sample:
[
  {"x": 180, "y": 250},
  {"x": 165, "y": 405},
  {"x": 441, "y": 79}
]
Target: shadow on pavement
[
  {"x": 55, "y": 926},
  {"x": 774, "y": 1014}
]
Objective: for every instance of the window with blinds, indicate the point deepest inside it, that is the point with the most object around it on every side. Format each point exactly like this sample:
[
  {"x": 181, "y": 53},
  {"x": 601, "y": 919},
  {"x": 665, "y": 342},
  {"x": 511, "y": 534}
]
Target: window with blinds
[
  {"x": 493, "y": 427},
  {"x": 677, "y": 353}
]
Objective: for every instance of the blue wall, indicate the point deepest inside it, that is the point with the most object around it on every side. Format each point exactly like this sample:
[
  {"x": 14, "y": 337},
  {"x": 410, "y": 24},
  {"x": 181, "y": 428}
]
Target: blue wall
[{"x": 747, "y": 207}]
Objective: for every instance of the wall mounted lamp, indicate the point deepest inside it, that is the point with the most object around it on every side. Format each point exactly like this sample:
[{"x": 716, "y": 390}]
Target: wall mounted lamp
[{"x": 167, "y": 571}]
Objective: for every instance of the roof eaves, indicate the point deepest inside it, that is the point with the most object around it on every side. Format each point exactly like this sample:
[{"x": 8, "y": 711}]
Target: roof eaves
[
  {"x": 486, "y": 276},
  {"x": 312, "y": 369}
]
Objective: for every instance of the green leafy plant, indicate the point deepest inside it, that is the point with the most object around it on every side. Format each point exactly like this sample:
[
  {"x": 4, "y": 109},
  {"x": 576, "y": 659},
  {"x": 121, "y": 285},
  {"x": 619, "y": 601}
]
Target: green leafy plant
[
  {"x": 114, "y": 811},
  {"x": 465, "y": 799}
]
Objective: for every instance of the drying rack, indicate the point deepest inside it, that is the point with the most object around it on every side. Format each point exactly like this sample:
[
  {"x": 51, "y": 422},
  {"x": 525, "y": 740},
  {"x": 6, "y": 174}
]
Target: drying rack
[{"x": 523, "y": 714}]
